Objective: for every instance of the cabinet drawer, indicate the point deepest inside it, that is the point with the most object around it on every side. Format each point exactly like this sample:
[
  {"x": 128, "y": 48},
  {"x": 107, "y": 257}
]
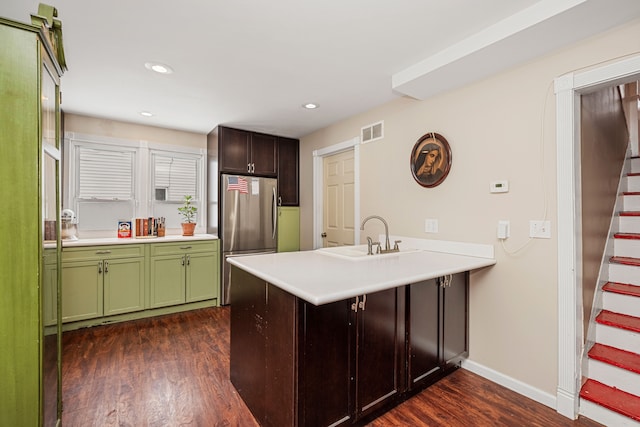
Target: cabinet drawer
[
  {"x": 102, "y": 252},
  {"x": 183, "y": 247}
]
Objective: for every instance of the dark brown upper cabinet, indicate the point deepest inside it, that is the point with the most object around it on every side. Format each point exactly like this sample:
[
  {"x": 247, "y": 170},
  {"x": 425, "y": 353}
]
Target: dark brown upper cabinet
[
  {"x": 247, "y": 153},
  {"x": 288, "y": 171}
]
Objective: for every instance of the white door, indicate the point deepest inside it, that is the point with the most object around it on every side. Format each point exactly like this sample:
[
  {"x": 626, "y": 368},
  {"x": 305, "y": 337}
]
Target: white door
[{"x": 338, "y": 199}]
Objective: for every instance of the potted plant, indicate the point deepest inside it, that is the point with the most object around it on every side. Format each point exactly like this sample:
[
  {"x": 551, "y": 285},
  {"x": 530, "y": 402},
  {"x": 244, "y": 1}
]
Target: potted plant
[{"x": 188, "y": 212}]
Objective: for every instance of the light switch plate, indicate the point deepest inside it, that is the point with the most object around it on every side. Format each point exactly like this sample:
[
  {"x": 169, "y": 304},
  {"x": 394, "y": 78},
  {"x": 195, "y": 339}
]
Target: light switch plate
[
  {"x": 503, "y": 229},
  {"x": 540, "y": 229}
]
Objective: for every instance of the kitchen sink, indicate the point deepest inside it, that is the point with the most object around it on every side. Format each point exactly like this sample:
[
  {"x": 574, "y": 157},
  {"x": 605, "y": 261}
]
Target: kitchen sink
[{"x": 359, "y": 252}]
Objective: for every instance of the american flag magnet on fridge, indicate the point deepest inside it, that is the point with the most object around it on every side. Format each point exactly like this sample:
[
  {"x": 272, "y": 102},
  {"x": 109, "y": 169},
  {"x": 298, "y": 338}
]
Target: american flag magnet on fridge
[{"x": 237, "y": 183}]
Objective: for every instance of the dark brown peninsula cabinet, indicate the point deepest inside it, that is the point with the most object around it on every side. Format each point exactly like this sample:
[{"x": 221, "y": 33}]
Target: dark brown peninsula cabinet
[
  {"x": 437, "y": 336},
  {"x": 341, "y": 363}
]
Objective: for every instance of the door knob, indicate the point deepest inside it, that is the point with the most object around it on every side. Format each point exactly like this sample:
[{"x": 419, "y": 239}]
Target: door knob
[{"x": 323, "y": 235}]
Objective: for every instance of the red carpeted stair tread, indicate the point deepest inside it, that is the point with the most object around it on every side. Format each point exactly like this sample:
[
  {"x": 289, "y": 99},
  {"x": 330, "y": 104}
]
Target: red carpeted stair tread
[
  {"x": 622, "y": 288},
  {"x": 630, "y": 213},
  {"x": 616, "y": 357},
  {"x": 625, "y": 260},
  {"x": 631, "y": 236},
  {"x": 618, "y": 320},
  {"x": 633, "y": 174},
  {"x": 631, "y": 193},
  {"x": 611, "y": 398}
]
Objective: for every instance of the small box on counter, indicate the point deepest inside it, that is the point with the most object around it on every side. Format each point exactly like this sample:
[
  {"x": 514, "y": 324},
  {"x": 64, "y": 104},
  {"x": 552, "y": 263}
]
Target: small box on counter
[{"x": 124, "y": 229}]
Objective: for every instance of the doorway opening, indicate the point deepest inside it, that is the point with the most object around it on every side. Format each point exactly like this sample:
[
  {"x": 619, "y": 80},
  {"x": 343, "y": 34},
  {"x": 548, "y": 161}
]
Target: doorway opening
[{"x": 319, "y": 156}]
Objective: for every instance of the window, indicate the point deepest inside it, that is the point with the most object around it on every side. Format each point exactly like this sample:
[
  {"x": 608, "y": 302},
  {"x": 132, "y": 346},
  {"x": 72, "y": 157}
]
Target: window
[
  {"x": 173, "y": 176},
  {"x": 110, "y": 180},
  {"x": 104, "y": 184}
]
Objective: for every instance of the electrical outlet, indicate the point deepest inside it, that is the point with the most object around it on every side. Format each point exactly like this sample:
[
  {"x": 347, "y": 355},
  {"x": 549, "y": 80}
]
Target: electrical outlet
[
  {"x": 503, "y": 229},
  {"x": 540, "y": 229},
  {"x": 430, "y": 225}
]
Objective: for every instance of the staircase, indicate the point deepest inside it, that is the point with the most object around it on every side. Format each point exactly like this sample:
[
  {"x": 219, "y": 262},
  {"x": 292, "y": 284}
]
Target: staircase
[{"x": 611, "y": 394}]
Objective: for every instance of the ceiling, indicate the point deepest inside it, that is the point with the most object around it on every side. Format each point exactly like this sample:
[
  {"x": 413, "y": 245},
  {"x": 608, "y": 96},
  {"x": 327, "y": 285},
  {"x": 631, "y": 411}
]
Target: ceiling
[{"x": 253, "y": 63}]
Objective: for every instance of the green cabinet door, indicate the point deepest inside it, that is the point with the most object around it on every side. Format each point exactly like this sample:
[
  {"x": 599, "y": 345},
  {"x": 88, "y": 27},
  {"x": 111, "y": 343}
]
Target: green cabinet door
[
  {"x": 82, "y": 290},
  {"x": 202, "y": 277},
  {"x": 167, "y": 280},
  {"x": 288, "y": 228},
  {"x": 123, "y": 285},
  {"x": 50, "y": 295}
]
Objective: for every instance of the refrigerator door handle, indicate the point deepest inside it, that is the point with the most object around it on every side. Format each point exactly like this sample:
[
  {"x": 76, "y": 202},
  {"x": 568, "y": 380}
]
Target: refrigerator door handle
[{"x": 274, "y": 213}]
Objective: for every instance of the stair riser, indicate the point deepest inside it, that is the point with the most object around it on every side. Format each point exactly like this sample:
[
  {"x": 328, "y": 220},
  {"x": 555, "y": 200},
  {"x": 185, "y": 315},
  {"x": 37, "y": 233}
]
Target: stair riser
[
  {"x": 629, "y": 224},
  {"x": 620, "y": 303},
  {"x": 635, "y": 165},
  {"x": 614, "y": 377},
  {"x": 627, "y": 247},
  {"x": 604, "y": 416},
  {"x": 631, "y": 203},
  {"x": 633, "y": 183},
  {"x": 624, "y": 274},
  {"x": 619, "y": 338}
]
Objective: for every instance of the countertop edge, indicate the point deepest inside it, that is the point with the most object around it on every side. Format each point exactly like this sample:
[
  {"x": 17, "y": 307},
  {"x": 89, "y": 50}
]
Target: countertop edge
[{"x": 105, "y": 241}]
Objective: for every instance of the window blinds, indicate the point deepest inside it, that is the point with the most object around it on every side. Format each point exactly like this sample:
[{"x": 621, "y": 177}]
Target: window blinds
[
  {"x": 105, "y": 174},
  {"x": 177, "y": 175}
]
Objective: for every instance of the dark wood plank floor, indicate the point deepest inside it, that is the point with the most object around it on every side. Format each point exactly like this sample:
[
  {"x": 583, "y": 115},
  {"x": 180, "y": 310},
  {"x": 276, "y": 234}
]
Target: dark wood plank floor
[{"x": 174, "y": 371}]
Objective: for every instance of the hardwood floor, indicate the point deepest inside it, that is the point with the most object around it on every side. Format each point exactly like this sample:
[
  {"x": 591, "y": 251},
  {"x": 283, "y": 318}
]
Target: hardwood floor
[{"x": 174, "y": 371}]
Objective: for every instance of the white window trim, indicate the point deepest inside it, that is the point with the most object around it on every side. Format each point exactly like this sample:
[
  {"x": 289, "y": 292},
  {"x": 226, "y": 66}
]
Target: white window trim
[{"x": 143, "y": 148}]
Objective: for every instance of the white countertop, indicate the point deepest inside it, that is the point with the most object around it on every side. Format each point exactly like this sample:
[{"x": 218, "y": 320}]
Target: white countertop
[
  {"x": 101, "y": 241},
  {"x": 320, "y": 279}
]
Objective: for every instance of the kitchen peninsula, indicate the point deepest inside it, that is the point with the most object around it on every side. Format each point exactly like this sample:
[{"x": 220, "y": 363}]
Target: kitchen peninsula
[{"x": 319, "y": 339}]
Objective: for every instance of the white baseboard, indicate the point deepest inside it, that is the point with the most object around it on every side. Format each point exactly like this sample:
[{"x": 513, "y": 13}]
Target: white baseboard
[{"x": 511, "y": 383}]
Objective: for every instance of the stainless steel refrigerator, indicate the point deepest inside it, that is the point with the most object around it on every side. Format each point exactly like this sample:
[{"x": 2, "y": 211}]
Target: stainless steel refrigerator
[{"x": 248, "y": 220}]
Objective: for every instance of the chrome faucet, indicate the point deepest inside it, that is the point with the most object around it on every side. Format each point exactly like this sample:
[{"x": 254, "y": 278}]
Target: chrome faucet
[{"x": 387, "y": 246}]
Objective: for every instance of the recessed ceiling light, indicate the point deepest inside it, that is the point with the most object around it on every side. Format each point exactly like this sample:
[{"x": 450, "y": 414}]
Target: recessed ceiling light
[
  {"x": 146, "y": 114},
  {"x": 310, "y": 106},
  {"x": 158, "y": 67}
]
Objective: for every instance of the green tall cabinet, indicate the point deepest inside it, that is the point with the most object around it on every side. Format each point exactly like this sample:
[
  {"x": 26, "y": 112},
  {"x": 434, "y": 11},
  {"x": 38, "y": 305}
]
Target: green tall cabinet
[
  {"x": 288, "y": 228},
  {"x": 31, "y": 63}
]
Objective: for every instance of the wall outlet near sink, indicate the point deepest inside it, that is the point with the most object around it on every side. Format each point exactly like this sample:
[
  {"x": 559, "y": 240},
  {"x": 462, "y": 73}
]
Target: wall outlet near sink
[{"x": 430, "y": 225}]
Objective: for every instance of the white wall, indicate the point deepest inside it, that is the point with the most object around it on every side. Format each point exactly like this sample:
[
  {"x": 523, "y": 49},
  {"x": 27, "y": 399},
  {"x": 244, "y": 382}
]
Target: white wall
[{"x": 500, "y": 128}]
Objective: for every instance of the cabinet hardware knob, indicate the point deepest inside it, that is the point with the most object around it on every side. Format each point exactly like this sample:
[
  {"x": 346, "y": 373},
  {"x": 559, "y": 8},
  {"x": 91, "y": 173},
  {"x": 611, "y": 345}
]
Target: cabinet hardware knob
[
  {"x": 183, "y": 260},
  {"x": 354, "y": 306},
  {"x": 363, "y": 302},
  {"x": 102, "y": 252},
  {"x": 100, "y": 268},
  {"x": 185, "y": 247},
  {"x": 106, "y": 267},
  {"x": 188, "y": 259}
]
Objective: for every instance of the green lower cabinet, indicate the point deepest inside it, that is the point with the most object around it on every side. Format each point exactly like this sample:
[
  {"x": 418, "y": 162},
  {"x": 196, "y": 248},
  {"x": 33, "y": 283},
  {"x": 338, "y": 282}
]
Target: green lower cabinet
[
  {"x": 202, "y": 280},
  {"x": 167, "y": 281},
  {"x": 102, "y": 281},
  {"x": 50, "y": 293},
  {"x": 183, "y": 272},
  {"x": 123, "y": 286},
  {"x": 288, "y": 228},
  {"x": 82, "y": 290}
]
